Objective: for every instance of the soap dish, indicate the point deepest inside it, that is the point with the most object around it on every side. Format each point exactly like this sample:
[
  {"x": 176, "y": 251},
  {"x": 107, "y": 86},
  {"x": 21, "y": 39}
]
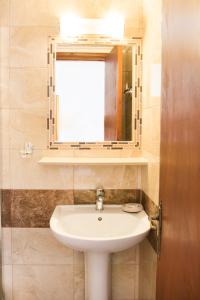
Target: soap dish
[{"x": 132, "y": 207}]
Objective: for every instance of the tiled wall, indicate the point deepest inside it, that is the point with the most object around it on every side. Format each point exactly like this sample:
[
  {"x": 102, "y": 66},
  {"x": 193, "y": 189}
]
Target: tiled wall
[
  {"x": 35, "y": 266},
  {"x": 150, "y": 137},
  {"x": 25, "y": 27}
]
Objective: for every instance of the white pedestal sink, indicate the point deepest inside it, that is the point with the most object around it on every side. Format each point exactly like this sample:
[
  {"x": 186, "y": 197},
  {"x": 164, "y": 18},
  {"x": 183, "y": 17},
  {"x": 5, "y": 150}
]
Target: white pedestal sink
[{"x": 98, "y": 234}]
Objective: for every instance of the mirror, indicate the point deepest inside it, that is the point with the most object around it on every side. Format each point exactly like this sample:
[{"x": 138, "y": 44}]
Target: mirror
[{"x": 94, "y": 96}]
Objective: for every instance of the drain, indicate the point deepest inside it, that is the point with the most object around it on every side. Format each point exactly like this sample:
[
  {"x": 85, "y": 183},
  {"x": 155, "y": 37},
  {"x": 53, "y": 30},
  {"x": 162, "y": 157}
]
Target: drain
[{"x": 99, "y": 219}]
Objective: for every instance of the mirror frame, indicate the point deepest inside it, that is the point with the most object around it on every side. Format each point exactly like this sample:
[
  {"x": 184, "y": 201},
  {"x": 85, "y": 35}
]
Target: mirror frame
[{"x": 137, "y": 94}]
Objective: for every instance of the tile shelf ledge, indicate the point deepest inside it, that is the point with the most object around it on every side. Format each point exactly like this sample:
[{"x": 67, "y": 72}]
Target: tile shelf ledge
[{"x": 137, "y": 161}]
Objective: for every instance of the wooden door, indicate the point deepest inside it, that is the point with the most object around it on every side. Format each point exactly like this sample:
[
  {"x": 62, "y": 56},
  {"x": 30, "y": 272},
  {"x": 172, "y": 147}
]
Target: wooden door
[
  {"x": 178, "y": 276},
  {"x": 113, "y": 95}
]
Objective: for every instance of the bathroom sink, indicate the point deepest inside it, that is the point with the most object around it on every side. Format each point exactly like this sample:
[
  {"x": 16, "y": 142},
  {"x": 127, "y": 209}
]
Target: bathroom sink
[
  {"x": 98, "y": 233},
  {"x": 84, "y": 228}
]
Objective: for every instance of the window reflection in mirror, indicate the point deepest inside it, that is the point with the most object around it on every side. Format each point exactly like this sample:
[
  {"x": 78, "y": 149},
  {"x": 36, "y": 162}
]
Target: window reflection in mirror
[
  {"x": 80, "y": 90},
  {"x": 93, "y": 87}
]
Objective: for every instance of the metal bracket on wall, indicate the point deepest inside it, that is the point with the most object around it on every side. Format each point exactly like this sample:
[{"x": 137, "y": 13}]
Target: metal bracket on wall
[{"x": 156, "y": 226}]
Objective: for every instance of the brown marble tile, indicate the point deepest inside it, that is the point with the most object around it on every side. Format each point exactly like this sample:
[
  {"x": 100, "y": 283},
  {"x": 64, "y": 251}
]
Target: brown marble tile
[
  {"x": 122, "y": 196},
  {"x": 112, "y": 196},
  {"x": 33, "y": 208},
  {"x": 152, "y": 210},
  {"x": 84, "y": 196},
  {"x": 149, "y": 206}
]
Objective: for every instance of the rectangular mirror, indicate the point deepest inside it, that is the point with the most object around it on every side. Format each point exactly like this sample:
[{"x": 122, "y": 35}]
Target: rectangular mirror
[{"x": 94, "y": 91}]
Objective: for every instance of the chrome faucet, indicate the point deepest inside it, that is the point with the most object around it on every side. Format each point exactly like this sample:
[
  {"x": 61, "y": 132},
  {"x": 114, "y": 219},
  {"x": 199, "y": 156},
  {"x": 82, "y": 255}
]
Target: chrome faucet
[{"x": 99, "y": 199}]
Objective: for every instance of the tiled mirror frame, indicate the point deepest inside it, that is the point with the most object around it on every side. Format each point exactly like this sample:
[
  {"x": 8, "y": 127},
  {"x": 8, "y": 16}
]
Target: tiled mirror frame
[{"x": 137, "y": 95}]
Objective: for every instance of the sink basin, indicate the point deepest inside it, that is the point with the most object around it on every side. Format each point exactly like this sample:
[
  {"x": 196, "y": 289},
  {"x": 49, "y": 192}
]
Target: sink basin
[
  {"x": 98, "y": 234},
  {"x": 83, "y": 228}
]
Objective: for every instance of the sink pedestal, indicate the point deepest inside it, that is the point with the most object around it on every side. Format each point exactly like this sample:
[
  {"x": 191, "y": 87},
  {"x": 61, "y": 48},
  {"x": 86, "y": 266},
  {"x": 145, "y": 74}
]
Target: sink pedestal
[{"x": 97, "y": 276}]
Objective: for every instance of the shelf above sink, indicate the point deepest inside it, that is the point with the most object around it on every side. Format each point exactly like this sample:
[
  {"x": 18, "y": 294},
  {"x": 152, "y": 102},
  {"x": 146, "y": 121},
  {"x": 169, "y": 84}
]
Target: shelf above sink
[{"x": 140, "y": 161}]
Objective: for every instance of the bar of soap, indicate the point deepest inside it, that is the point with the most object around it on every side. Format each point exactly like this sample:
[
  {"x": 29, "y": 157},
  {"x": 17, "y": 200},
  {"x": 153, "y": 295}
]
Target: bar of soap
[{"x": 132, "y": 207}]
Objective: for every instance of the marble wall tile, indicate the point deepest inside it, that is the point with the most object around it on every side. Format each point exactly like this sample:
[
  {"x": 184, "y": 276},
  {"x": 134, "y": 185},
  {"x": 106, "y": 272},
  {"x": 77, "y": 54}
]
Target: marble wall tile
[
  {"x": 5, "y": 128},
  {"x": 4, "y": 12},
  {"x": 124, "y": 282},
  {"x": 147, "y": 279},
  {"x": 120, "y": 196},
  {"x": 34, "y": 246},
  {"x": 5, "y": 168},
  {"x": 33, "y": 12},
  {"x": 129, "y": 256},
  {"x": 116, "y": 196},
  {"x": 147, "y": 272},
  {"x": 28, "y": 125},
  {"x": 42, "y": 282},
  {"x": 28, "y": 45},
  {"x": 28, "y": 88},
  {"x": 146, "y": 253},
  {"x": 29, "y": 174},
  {"x": 150, "y": 180},
  {"x": 4, "y": 87},
  {"x": 4, "y": 45},
  {"x": 33, "y": 209},
  {"x": 79, "y": 277},
  {"x": 110, "y": 177},
  {"x": 7, "y": 282},
  {"x": 6, "y": 246}
]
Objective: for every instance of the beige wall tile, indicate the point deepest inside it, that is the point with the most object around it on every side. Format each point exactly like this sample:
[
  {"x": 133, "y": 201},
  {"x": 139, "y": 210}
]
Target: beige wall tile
[
  {"x": 6, "y": 246},
  {"x": 79, "y": 281},
  {"x": 38, "y": 246},
  {"x": 7, "y": 282},
  {"x": 32, "y": 12},
  {"x": 4, "y": 46},
  {"x": 28, "y": 45},
  {"x": 109, "y": 177},
  {"x": 28, "y": 88},
  {"x": 4, "y": 87},
  {"x": 4, "y": 12},
  {"x": 129, "y": 256},
  {"x": 151, "y": 130},
  {"x": 147, "y": 279},
  {"x": 28, "y": 126},
  {"x": 27, "y": 173},
  {"x": 147, "y": 253},
  {"x": 42, "y": 282},
  {"x": 79, "y": 258},
  {"x": 150, "y": 180},
  {"x": 5, "y": 128},
  {"x": 124, "y": 282},
  {"x": 5, "y": 180}
]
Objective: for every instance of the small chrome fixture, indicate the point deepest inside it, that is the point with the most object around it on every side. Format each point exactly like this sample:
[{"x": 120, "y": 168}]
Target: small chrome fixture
[
  {"x": 27, "y": 150},
  {"x": 100, "y": 199}
]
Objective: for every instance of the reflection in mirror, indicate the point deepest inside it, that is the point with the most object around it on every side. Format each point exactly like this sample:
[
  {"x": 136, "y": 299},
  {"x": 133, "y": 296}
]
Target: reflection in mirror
[
  {"x": 92, "y": 95},
  {"x": 80, "y": 89}
]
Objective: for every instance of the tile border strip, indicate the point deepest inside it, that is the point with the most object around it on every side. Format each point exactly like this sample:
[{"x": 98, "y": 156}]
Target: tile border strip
[{"x": 33, "y": 208}]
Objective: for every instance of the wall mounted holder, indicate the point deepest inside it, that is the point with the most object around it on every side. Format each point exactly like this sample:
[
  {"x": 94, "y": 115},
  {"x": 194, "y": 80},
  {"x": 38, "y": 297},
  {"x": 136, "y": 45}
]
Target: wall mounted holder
[{"x": 27, "y": 150}]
